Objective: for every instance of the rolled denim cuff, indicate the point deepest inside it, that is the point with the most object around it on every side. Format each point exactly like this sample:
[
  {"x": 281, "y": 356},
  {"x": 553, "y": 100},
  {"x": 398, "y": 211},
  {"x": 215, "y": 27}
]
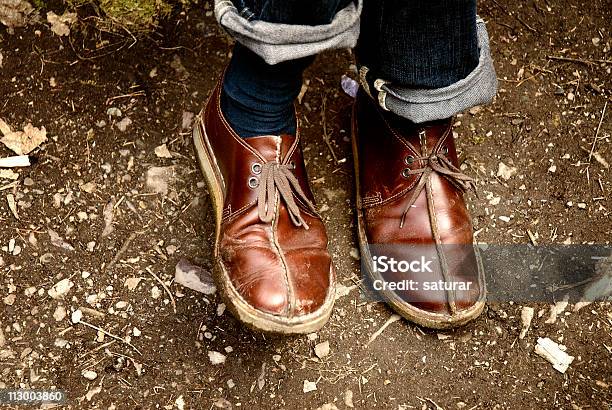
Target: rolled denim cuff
[
  {"x": 276, "y": 42},
  {"x": 421, "y": 105}
]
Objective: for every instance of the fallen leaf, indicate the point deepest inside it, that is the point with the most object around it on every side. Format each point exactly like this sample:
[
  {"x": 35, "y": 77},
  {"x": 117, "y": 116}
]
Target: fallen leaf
[
  {"x": 132, "y": 283},
  {"x": 159, "y": 178},
  {"x": 60, "y": 25},
  {"x": 194, "y": 277},
  {"x": 216, "y": 357},
  {"x": 526, "y": 317},
  {"x": 348, "y": 398},
  {"x": 162, "y": 151},
  {"x": 26, "y": 141},
  {"x": 261, "y": 380},
  {"x": 57, "y": 240},
  {"x": 8, "y": 174},
  {"x": 93, "y": 392},
  {"x": 556, "y": 310},
  {"x": 14, "y": 13},
  {"x": 187, "y": 120},
  {"x": 10, "y": 198},
  {"x": 5, "y": 129},
  {"x": 505, "y": 171},
  {"x": 108, "y": 214},
  {"x": 124, "y": 123},
  {"x": 309, "y": 386},
  {"x": 89, "y": 187}
]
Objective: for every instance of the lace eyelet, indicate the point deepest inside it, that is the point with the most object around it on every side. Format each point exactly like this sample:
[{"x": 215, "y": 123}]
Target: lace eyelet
[
  {"x": 292, "y": 164},
  {"x": 409, "y": 160},
  {"x": 445, "y": 150},
  {"x": 406, "y": 172},
  {"x": 253, "y": 182},
  {"x": 256, "y": 168}
]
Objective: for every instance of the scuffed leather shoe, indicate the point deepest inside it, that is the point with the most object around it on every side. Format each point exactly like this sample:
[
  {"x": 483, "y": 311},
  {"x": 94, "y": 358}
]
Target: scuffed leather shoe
[
  {"x": 411, "y": 208},
  {"x": 272, "y": 266}
]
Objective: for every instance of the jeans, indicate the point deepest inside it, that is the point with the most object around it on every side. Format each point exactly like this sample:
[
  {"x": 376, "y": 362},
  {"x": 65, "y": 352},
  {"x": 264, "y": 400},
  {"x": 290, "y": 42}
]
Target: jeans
[{"x": 421, "y": 59}]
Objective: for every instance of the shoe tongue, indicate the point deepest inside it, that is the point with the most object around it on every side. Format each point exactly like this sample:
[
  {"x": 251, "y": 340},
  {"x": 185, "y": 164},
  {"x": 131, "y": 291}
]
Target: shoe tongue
[{"x": 271, "y": 147}]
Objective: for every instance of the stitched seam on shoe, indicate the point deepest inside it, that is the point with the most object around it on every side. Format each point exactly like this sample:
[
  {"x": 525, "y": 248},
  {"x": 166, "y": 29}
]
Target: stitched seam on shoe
[
  {"x": 450, "y": 294},
  {"x": 241, "y": 210},
  {"x": 433, "y": 220},
  {"x": 371, "y": 200},
  {"x": 277, "y": 247}
]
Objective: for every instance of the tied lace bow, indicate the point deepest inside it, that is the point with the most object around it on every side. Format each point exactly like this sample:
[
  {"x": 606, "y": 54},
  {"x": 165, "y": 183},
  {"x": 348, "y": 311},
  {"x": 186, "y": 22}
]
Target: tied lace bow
[
  {"x": 436, "y": 162},
  {"x": 279, "y": 178}
]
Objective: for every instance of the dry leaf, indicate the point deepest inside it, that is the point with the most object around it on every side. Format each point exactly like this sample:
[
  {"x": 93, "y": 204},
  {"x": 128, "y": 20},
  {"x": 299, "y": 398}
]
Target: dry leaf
[
  {"x": 132, "y": 283},
  {"x": 109, "y": 215},
  {"x": 162, "y": 151},
  {"x": 158, "y": 179},
  {"x": 26, "y": 141},
  {"x": 8, "y": 174},
  {"x": 10, "y": 198},
  {"x": 194, "y": 277},
  {"x": 60, "y": 24},
  {"x": 57, "y": 240},
  {"x": 89, "y": 187},
  {"x": 5, "y": 129},
  {"x": 13, "y": 13}
]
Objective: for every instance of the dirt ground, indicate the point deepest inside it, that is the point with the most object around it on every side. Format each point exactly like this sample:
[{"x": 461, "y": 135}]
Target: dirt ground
[{"x": 87, "y": 218}]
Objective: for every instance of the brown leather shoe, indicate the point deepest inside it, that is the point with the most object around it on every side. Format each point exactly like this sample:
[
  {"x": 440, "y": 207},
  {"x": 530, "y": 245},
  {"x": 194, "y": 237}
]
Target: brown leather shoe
[
  {"x": 411, "y": 208},
  {"x": 272, "y": 266}
]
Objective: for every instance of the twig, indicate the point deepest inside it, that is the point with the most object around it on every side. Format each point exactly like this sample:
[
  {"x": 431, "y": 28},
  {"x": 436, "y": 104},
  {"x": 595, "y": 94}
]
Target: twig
[
  {"x": 161, "y": 282},
  {"x": 121, "y": 250},
  {"x": 134, "y": 94},
  {"x": 99, "y": 329},
  {"x": 603, "y": 112},
  {"x": 9, "y": 186},
  {"x": 393, "y": 318},
  {"x": 325, "y": 134},
  {"x": 578, "y": 60},
  {"x": 517, "y": 17}
]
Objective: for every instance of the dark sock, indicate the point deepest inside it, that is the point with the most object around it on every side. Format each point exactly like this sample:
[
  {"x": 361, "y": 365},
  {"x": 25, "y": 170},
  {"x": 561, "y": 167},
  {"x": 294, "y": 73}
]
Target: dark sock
[{"x": 257, "y": 98}]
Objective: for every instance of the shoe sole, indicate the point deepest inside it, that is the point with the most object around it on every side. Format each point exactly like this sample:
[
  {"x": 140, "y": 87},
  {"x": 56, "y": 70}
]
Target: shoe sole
[
  {"x": 412, "y": 313},
  {"x": 244, "y": 312}
]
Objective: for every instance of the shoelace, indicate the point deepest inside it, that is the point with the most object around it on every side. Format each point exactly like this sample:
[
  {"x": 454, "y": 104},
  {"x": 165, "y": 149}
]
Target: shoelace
[
  {"x": 437, "y": 162},
  {"x": 279, "y": 177}
]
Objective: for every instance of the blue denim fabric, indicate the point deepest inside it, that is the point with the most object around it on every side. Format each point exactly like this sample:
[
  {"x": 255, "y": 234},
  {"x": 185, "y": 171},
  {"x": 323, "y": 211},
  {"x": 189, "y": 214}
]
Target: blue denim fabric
[
  {"x": 257, "y": 98},
  {"x": 411, "y": 44},
  {"x": 419, "y": 43},
  {"x": 313, "y": 12}
]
